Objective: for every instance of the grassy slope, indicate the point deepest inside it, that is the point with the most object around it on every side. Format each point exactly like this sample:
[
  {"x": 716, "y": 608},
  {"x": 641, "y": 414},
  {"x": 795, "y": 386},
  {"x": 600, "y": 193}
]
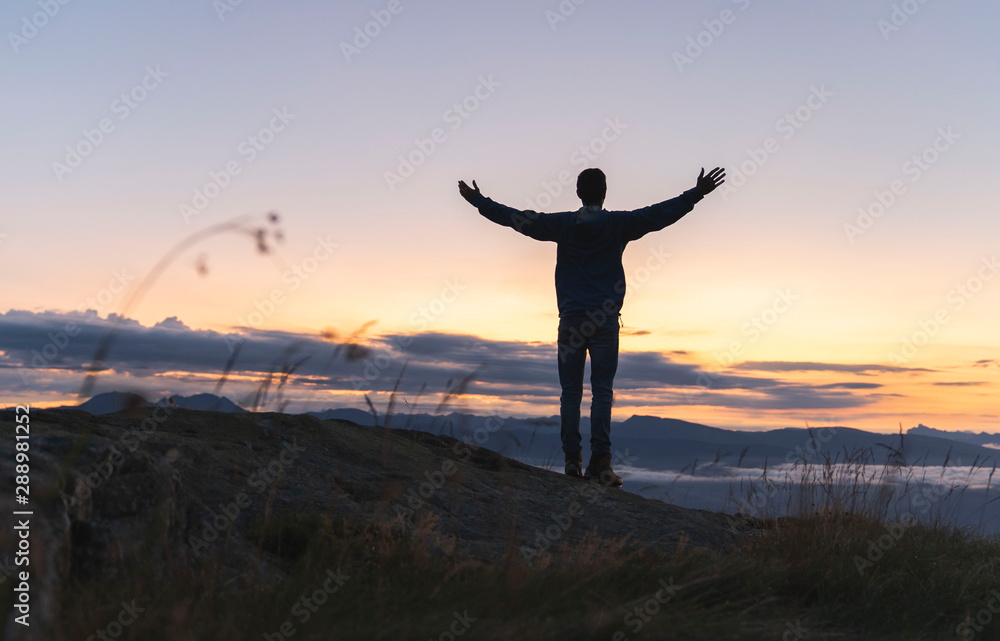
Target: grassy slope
[
  {"x": 801, "y": 575},
  {"x": 799, "y": 579}
]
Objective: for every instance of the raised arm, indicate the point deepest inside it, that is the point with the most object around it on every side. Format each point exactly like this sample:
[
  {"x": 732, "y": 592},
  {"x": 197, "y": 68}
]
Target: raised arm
[
  {"x": 655, "y": 217},
  {"x": 530, "y": 223}
]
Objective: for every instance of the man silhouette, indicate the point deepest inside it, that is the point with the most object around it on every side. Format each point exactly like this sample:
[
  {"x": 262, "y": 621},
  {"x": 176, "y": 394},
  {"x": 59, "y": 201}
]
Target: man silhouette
[{"x": 590, "y": 290}]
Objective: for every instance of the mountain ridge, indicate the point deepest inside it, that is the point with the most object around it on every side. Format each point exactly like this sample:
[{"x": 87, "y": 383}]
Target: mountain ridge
[{"x": 657, "y": 443}]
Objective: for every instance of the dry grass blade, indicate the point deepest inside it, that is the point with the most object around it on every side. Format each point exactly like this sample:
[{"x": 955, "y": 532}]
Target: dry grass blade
[
  {"x": 229, "y": 366},
  {"x": 238, "y": 224}
]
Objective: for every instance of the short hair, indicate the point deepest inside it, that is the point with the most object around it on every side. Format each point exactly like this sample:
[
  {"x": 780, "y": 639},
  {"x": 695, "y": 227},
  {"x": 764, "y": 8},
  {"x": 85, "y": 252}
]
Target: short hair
[{"x": 592, "y": 185}]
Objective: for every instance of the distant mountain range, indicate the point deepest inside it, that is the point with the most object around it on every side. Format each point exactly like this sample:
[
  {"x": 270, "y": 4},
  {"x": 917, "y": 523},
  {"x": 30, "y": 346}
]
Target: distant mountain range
[
  {"x": 985, "y": 439},
  {"x": 646, "y": 441},
  {"x": 110, "y": 402}
]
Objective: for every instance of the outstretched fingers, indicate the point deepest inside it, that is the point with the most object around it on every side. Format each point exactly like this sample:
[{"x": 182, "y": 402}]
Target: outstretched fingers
[
  {"x": 468, "y": 192},
  {"x": 708, "y": 184}
]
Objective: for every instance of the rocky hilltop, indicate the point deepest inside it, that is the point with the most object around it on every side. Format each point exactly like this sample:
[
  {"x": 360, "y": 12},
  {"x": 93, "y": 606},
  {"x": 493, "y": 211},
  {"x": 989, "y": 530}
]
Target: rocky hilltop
[{"x": 169, "y": 487}]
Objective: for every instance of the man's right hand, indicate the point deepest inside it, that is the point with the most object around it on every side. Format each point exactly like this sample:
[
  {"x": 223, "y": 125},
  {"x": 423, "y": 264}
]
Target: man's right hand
[
  {"x": 467, "y": 192},
  {"x": 707, "y": 184}
]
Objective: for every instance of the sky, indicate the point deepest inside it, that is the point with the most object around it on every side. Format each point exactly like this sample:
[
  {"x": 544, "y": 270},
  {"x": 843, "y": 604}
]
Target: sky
[{"x": 195, "y": 176}]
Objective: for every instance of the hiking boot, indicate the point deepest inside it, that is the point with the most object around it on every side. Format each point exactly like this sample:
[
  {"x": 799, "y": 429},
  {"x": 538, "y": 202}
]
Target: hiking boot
[
  {"x": 574, "y": 464},
  {"x": 599, "y": 468}
]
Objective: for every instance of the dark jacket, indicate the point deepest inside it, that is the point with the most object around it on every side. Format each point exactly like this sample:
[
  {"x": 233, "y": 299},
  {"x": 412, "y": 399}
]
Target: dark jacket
[{"x": 591, "y": 240}]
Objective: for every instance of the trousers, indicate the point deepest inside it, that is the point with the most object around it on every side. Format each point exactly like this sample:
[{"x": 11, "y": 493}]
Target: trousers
[{"x": 596, "y": 333}]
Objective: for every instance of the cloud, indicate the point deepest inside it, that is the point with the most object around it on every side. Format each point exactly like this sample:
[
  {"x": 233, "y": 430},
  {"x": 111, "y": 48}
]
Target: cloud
[
  {"x": 849, "y": 386},
  {"x": 171, "y": 323},
  {"x": 47, "y": 353},
  {"x": 806, "y": 366}
]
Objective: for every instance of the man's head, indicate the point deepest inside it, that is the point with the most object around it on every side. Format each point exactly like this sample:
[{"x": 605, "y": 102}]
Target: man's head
[{"x": 592, "y": 187}]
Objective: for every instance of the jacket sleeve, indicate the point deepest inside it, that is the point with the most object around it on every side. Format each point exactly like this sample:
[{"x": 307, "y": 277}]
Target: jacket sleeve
[
  {"x": 530, "y": 223},
  {"x": 638, "y": 223}
]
